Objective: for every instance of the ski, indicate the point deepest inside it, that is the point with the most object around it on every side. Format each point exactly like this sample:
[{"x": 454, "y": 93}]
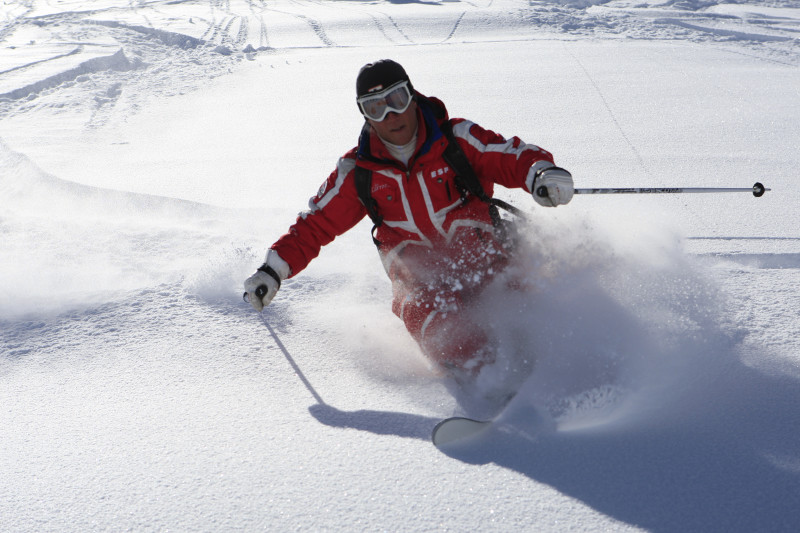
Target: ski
[
  {"x": 522, "y": 418},
  {"x": 460, "y": 428},
  {"x": 457, "y": 428}
]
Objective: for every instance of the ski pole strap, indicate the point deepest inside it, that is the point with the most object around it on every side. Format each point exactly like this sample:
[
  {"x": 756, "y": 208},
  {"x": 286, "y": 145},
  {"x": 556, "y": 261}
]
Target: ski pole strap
[
  {"x": 269, "y": 270},
  {"x": 758, "y": 190},
  {"x": 508, "y": 207}
]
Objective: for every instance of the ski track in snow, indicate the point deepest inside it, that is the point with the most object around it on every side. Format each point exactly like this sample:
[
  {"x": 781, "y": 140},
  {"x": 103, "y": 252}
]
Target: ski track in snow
[
  {"x": 38, "y": 39},
  {"x": 138, "y": 396}
]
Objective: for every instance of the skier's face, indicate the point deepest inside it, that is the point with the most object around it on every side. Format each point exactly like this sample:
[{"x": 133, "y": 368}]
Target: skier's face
[{"x": 397, "y": 128}]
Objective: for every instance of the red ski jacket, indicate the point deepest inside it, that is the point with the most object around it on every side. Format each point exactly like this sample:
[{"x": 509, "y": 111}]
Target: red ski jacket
[{"x": 421, "y": 207}]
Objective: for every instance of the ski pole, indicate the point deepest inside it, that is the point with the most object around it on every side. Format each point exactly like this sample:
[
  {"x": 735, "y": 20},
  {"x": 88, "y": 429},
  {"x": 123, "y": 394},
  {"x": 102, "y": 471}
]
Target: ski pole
[{"x": 758, "y": 190}]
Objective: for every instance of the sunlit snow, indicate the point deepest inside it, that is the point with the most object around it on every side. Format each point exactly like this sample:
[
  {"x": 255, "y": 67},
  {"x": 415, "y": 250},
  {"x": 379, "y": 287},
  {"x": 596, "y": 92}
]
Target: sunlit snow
[{"x": 150, "y": 152}]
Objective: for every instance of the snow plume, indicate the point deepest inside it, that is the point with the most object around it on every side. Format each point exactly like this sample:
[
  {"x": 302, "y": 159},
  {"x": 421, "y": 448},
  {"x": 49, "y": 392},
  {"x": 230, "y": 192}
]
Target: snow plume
[
  {"x": 68, "y": 245},
  {"x": 593, "y": 321},
  {"x": 363, "y": 325},
  {"x": 609, "y": 324}
]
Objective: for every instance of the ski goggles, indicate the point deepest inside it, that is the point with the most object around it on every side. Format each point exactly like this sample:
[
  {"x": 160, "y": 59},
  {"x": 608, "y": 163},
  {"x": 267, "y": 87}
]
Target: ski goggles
[{"x": 375, "y": 106}]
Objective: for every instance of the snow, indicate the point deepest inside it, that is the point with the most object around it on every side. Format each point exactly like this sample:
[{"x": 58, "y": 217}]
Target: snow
[{"x": 151, "y": 151}]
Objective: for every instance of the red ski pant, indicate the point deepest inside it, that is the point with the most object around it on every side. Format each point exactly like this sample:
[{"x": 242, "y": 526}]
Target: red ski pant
[
  {"x": 436, "y": 317},
  {"x": 434, "y": 290}
]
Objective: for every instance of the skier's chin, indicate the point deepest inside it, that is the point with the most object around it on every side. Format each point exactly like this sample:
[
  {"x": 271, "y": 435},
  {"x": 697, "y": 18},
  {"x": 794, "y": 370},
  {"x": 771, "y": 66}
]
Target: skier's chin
[{"x": 400, "y": 135}]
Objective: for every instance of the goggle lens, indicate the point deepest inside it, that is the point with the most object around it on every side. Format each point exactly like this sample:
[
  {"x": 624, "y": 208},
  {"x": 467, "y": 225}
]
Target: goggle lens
[{"x": 376, "y": 106}]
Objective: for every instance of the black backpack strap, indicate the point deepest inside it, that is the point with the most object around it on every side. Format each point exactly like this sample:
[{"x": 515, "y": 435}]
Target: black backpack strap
[
  {"x": 363, "y": 182},
  {"x": 466, "y": 179},
  {"x": 363, "y": 179}
]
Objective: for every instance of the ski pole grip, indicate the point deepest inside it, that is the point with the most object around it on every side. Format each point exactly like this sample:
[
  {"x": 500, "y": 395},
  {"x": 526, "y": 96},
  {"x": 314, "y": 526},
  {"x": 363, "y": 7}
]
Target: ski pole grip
[
  {"x": 261, "y": 291},
  {"x": 541, "y": 192}
]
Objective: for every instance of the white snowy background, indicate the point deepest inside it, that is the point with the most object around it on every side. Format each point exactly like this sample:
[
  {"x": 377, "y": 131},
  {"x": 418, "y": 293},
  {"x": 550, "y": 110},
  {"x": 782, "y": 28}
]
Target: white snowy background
[{"x": 150, "y": 151}]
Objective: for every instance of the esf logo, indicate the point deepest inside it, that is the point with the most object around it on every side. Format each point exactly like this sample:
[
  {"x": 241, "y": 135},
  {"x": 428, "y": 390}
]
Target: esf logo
[{"x": 439, "y": 172}]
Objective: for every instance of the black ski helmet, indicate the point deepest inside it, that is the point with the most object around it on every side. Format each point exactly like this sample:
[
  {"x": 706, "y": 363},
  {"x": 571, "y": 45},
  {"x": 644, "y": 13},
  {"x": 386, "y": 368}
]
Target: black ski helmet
[{"x": 380, "y": 75}]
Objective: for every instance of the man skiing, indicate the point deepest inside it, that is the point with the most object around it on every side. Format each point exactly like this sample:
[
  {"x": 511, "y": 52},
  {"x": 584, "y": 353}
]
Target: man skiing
[{"x": 436, "y": 225}]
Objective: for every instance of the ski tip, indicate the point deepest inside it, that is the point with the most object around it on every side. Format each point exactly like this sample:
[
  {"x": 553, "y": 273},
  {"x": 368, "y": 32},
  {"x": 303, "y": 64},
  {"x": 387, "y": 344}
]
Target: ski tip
[{"x": 457, "y": 429}]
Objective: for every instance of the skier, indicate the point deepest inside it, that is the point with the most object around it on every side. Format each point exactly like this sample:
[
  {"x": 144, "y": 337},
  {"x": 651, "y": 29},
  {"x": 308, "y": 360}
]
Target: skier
[{"x": 436, "y": 226}]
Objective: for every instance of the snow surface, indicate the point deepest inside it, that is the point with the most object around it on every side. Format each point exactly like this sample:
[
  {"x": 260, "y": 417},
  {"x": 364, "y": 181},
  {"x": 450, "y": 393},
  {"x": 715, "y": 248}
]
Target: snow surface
[{"x": 151, "y": 151}]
